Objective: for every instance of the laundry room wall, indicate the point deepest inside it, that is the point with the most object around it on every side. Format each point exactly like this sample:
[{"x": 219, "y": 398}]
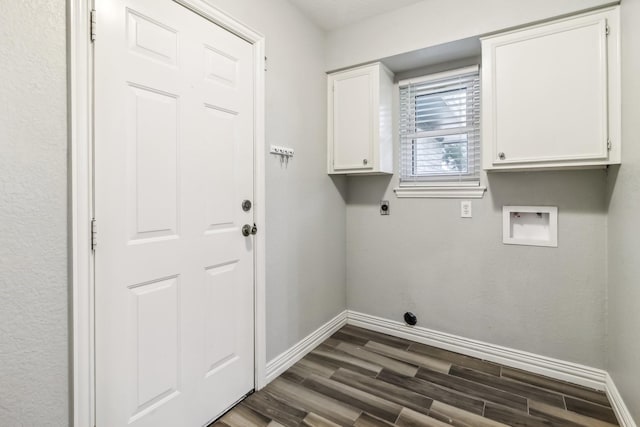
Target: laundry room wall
[
  {"x": 455, "y": 273},
  {"x": 623, "y": 308}
]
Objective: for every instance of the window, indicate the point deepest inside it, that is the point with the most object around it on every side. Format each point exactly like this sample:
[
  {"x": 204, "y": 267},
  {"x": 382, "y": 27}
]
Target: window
[{"x": 440, "y": 135}]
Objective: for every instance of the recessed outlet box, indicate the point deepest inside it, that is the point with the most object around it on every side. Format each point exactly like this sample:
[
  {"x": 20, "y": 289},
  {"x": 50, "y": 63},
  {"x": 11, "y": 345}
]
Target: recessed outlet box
[{"x": 530, "y": 225}]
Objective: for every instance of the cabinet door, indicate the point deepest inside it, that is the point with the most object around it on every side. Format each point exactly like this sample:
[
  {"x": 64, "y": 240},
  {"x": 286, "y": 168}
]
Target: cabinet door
[
  {"x": 549, "y": 96},
  {"x": 353, "y": 119}
]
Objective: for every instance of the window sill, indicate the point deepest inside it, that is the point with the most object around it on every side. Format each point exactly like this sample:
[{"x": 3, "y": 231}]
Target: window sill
[{"x": 440, "y": 192}]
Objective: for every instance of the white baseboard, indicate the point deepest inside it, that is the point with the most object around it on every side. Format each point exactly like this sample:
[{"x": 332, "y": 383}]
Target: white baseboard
[
  {"x": 554, "y": 368},
  {"x": 284, "y": 361},
  {"x": 618, "y": 405}
]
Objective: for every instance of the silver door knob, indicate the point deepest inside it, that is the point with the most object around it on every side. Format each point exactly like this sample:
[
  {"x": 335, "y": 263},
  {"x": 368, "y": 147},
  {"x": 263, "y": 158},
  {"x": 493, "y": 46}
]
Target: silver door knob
[
  {"x": 248, "y": 230},
  {"x": 501, "y": 156},
  {"x": 365, "y": 161}
]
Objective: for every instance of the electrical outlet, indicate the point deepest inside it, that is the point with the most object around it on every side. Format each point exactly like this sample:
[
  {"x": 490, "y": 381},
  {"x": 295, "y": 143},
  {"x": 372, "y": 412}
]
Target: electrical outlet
[
  {"x": 384, "y": 207},
  {"x": 465, "y": 209}
]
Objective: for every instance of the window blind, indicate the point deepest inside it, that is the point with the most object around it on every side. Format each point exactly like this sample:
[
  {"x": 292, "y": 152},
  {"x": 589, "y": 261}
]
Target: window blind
[{"x": 440, "y": 128}]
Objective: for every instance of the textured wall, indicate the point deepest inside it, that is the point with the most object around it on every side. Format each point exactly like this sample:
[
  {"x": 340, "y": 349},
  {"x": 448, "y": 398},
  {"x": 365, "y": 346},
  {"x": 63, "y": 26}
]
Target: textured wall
[
  {"x": 458, "y": 277},
  {"x": 429, "y": 23},
  {"x": 305, "y": 209},
  {"x": 33, "y": 223},
  {"x": 623, "y": 332}
]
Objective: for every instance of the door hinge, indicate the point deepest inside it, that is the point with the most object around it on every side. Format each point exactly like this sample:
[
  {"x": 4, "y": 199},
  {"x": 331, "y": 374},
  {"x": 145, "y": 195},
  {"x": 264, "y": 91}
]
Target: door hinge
[
  {"x": 608, "y": 144},
  {"x": 607, "y": 30},
  {"x": 265, "y": 63},
  {"x": 92, "y": 25},
  {"x": 94, "y": 234}
]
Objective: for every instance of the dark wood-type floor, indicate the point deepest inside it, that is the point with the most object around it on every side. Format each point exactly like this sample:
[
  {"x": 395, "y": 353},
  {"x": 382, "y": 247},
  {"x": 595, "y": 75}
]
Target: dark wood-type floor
[{"x": 363, "y": 378}]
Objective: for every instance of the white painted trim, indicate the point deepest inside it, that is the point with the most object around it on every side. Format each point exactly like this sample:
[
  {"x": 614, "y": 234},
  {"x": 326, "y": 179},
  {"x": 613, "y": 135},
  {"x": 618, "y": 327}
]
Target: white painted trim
[
  {"x": 619, "y": 408},
  {"x": 440, "y": 192},
  {"x": 440, "y": 76},
  {"x": 80, "y": 62},
  {"x": 81, "y": 205},
  {"x": 284, "y": 361},
  {"x": 554, "y": 368},
  {"x": 223, "y": 20},
  {"x": 260, "y": 197}
]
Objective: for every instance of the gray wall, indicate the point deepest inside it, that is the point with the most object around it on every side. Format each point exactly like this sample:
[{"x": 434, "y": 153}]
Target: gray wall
[
  {"x": 623, "y": 338},
  {"x": 455, "y": 274},
  {"x": 33, "y": 214},
  {"x": 306, "y": 257},
  {"x": 457, "y": 277}
]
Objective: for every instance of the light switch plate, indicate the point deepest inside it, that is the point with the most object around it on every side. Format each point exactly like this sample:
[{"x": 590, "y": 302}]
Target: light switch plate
[{"x": 465, "y": 209}]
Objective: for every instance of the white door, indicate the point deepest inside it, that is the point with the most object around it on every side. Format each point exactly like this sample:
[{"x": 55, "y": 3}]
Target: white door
[{"x": 174, "y": 131}]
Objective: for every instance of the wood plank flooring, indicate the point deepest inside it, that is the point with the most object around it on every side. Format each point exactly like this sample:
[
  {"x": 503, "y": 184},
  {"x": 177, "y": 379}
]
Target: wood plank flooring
[{"x": 366, "y": 379}]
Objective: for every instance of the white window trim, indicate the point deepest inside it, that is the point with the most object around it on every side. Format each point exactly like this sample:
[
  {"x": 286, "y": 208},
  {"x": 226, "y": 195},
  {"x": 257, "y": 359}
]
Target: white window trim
[
  {"x": 441, "y": 189},
  {"x": 438, "y": 76}
]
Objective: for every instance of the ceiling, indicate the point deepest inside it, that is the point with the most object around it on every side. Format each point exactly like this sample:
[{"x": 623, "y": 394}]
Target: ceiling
[{"x": 332, "y": 14}]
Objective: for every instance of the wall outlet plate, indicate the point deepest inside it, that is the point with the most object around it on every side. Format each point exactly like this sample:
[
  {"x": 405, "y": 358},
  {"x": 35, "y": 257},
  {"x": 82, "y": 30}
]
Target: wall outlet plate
[
  {"x": 465, "y": 209},
  {"x": 384, "y": 207}
]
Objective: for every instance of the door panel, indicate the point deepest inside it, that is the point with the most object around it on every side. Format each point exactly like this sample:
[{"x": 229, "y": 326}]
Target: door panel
[
  {"x": 220, "y": 286},
  {"x": 174, "y": 160},
  {"x": 220, "y": 206},
  {"x": 152, "y": 142},
  {"x": 156, "y": 324}
]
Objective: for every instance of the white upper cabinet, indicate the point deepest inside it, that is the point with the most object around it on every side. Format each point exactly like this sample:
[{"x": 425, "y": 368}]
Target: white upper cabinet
[
  {"x": 551, "y": 94},
  {"x": 359, "y": 121}
]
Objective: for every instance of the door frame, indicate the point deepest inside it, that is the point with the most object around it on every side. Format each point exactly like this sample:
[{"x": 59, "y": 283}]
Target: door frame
[{"x": 81, "y": 211}]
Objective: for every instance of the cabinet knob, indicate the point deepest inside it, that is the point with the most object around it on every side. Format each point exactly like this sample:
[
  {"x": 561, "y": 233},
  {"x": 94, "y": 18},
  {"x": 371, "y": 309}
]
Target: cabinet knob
[
  {"x": 365, "y": 161},
  {"x": 501, "y": 156}
]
